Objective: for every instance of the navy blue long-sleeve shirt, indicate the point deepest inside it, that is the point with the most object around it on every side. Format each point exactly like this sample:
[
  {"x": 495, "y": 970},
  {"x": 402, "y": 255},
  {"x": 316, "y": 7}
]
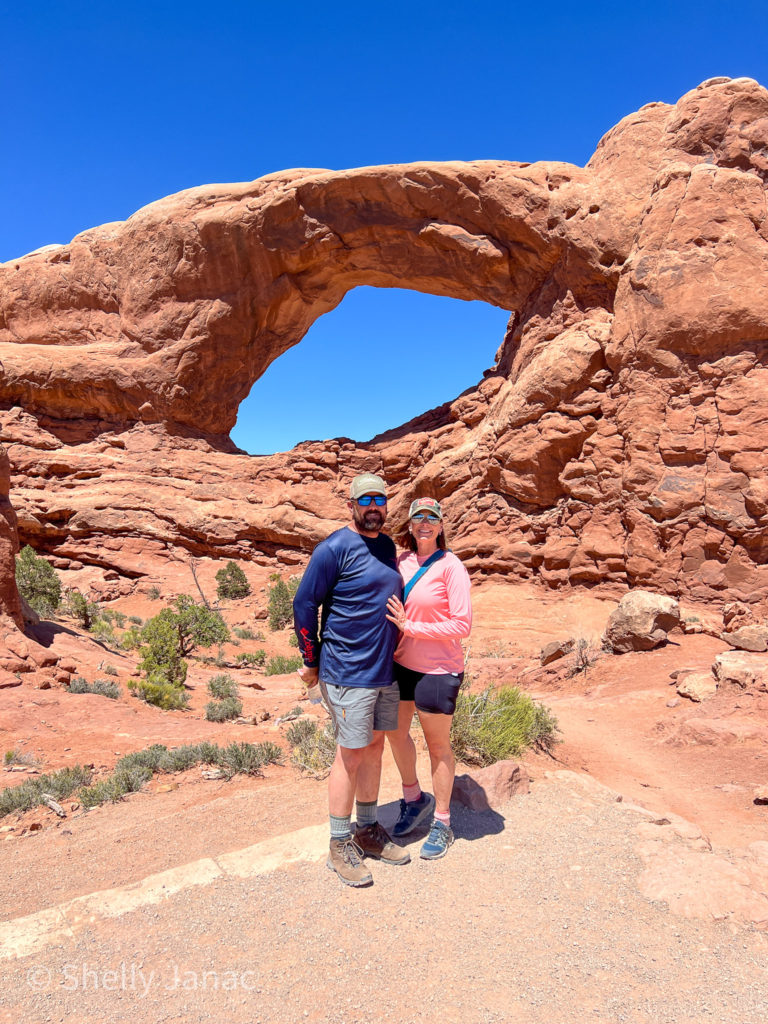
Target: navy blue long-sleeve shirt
[{"x": 351, "y": 578}]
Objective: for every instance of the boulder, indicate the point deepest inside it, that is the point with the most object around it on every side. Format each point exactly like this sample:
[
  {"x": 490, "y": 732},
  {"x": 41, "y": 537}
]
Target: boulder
[
  {"x": 555, "y": 650},
  {"x": 748, "y": 638},
  {"x": 641, "y": 622},
  {"x": 483, "y": 788},
  {"x": 696, "y": 686},
  {"x": 743, "y": 669}
]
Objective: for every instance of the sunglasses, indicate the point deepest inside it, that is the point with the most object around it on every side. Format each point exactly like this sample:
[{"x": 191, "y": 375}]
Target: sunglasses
[
  {"x": 377, "y": 499},
  {"x": 420, "y": 517}
]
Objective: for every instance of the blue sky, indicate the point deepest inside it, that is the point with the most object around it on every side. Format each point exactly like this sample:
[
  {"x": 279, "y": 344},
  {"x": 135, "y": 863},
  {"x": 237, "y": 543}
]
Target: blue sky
[{"x": 107, "y": 107}]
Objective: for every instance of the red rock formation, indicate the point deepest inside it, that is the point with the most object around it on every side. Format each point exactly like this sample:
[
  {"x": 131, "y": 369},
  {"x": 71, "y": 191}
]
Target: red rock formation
[
  {"x": 10, "y": 606},
  {"x": 619, "y": 437}
]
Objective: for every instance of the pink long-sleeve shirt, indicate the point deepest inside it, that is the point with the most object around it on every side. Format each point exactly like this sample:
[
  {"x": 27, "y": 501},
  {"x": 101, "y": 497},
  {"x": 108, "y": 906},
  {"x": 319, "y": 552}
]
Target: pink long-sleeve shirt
[{"x": 438, "y": 614}]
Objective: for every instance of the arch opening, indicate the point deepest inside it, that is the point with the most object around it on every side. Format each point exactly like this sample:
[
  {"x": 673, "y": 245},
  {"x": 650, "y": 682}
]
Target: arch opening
[{"x": 380, "y": 358}]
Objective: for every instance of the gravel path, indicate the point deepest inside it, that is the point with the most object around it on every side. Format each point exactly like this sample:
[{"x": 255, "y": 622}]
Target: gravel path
[{"x": 533, "y": 916}]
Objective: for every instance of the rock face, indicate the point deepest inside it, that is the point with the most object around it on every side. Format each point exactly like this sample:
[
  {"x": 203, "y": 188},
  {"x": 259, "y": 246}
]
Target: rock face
[
  {"x": 641, "y": 622},
  {"x": 619, "y": 437},
  {"x": 10, "y": 605}
]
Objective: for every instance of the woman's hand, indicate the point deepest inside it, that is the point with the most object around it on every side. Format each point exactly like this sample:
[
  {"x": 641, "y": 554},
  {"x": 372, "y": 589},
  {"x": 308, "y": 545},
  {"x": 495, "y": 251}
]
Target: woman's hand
[{"x": 396, "y": 612}]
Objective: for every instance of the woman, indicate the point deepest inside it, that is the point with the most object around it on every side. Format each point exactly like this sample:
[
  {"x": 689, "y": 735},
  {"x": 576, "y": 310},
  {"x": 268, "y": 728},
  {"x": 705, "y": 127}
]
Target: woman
[{"x": 435, "y": 614}]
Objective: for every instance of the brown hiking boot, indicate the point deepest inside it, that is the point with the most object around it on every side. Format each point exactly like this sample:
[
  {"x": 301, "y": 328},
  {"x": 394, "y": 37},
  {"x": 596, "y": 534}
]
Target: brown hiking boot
[
  {"x": 374, "y": 841},
  {"x": 344, "y": 857}
]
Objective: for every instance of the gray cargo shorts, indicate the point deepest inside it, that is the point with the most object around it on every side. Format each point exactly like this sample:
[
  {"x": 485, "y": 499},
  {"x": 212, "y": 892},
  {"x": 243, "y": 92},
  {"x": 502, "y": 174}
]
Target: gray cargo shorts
[{"x": 356, "y": 711}]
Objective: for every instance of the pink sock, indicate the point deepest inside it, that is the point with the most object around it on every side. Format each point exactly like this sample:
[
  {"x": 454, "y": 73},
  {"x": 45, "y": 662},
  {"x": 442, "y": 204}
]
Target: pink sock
[
  {"x": 411, "y": 793},
  {"x": 444, "y": 817}
]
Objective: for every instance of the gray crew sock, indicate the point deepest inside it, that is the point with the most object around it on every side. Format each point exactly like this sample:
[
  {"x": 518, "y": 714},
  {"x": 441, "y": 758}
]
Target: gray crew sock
[
  {"x": 341, "y": 827},
  {"x": 367, "y": 814}
]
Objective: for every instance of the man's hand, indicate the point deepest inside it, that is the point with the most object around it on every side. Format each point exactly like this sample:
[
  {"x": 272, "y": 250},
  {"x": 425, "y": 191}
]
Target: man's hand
[
  {"x": 307, "y": 675},
  {"x": 396, "y": 612}
]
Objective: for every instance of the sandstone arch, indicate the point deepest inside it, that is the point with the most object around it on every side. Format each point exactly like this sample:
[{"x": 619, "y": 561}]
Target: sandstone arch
[
  {"x": 172, "y": 315},
  {"x": 619, "y": 437}
]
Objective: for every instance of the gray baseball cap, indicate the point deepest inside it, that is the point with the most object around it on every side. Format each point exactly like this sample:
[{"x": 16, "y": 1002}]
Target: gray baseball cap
[{"x": 367, "y": 483}]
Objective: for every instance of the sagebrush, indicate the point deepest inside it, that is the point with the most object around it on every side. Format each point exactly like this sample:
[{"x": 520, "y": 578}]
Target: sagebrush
[
  {"x": 313, "y": 747},
  {"x": 133, "y": 770},
  {"x": 499, "y": 723}
]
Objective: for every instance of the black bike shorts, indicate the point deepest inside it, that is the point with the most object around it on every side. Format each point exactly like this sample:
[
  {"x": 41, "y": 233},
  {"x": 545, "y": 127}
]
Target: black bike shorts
[{"x": 435, "y": 694}]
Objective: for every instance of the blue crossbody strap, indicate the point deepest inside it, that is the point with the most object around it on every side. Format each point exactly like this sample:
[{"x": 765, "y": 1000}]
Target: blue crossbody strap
[{"x": 420, "y": 572}]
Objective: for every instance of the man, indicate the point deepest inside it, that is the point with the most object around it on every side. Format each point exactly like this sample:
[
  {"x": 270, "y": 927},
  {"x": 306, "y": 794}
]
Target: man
[{"x": 351, "y": 576}]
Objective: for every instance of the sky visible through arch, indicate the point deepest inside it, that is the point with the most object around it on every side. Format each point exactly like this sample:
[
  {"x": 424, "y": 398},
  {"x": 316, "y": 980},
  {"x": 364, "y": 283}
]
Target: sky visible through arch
[{"x": 109, "y": 107}]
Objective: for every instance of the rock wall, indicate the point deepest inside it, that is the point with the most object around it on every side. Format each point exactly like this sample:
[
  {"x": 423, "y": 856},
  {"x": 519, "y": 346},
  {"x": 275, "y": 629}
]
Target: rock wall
[
  {"x": 10, "y": 605},
  {"x": 619, "y": 436}
]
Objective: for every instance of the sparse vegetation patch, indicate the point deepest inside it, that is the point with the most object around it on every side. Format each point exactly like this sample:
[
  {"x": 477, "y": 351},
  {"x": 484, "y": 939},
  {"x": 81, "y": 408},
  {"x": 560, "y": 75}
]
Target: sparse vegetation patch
[
  {"x": 101, "y": 687},
  {"x": 134, "y": 770},
  {"x": 497, "y": 724},
  {"x": 223, "y": 710},
  {"x": 281, "y": 665}
]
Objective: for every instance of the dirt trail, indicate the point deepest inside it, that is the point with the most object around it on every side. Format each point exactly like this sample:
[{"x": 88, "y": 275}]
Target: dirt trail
[{"x": 535, "y": 915}]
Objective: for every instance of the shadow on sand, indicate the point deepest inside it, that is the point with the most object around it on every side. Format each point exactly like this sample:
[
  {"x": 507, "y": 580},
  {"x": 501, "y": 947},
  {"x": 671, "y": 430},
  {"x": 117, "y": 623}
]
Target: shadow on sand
[{"x": 466, "y": 823}]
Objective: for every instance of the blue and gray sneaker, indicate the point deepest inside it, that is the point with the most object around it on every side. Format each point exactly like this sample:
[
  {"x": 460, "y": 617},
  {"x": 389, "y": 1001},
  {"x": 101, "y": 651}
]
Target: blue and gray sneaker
[
  {"x": 439, "y": 839},
  {"x": 413, "y": 814}
]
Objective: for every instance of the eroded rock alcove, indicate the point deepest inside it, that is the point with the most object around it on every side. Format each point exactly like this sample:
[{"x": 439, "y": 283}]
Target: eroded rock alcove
[{"x": 619, "y": 437}]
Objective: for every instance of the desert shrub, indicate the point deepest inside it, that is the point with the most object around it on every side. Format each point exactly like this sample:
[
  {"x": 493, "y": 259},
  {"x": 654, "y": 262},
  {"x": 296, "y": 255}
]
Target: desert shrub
[
  {"x": 164, "y": 695},
  {"x": 251, "y": 658},
  {"x": 281, "y": 665},
  {"x": 123, "y": 780},
  {"x": 293, "y": 640},
  {"x": 313, "y": 747},
  {"x": 153, "y": 593},
  {"x": 280, "y": 605},
  {"x": 77, "y": 606},
  {"x": 198, "y": 626},
  {"x": 162, "y": 659},
  {"x": 37, "y": 582},
  {"x": 133, "y": 770},
  {"x": 59, "y": 785},
  {"x": 150, "y": 757},
  {"x": 584, "y": 656},
  {"x": 101, "y": 687},
  {"x": 103, "y": 629},
  {"x": 20, "y": 757},
  {"x": 181, "y": 759},
  {"x": 136, "y": 620},
  {"x": 247, "y": 634},
  {"x": 114, "y": 617},
  {"x": 232, "y": 582},
  {"x": 222, "y": 686},
  {"x": 497, "y": 724},
  {"x": 223, "y": 710},
  {"x": 248, "y": 758},
  {"x": 131, "y": 638},
  {"x": 109, "y": 669},
  {"x": 106, "y": 688}
]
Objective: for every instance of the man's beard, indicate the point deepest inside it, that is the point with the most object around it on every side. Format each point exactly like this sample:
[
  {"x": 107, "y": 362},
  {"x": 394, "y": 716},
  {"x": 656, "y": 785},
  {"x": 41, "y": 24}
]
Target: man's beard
[{"x": 371, "y": 519}]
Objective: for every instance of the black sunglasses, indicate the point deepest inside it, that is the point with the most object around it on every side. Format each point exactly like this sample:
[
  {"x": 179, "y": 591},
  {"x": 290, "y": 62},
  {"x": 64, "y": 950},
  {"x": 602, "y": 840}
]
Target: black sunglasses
[{"x": 377, "y": 499}]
